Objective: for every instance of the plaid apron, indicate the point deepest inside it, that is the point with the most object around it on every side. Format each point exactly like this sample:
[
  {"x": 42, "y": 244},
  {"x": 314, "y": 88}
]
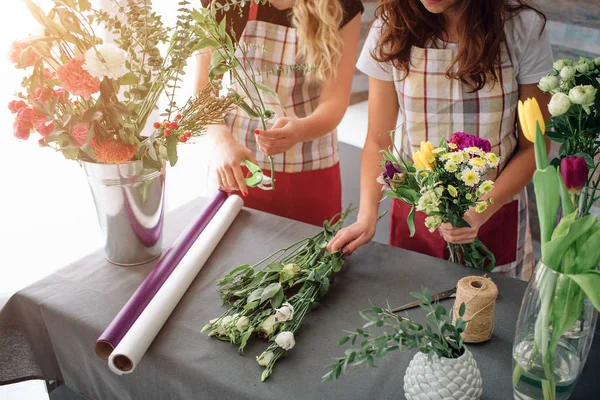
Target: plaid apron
[
  {"x": 308, "y": 184},
  {"x": 271, "y": 51},
  {"x": 433, "y": 106}
]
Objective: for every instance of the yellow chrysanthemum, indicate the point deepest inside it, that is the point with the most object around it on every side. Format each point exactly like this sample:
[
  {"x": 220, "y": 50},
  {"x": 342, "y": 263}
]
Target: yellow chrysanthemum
[
  {"x": 452, "y": 190},
  {"x": 474, "y": 150},
  {"x": 470, "y": 177},
  {"x": 424, "y": 173},
  {"x": 477, "y": 162},
  {"x": 486, "y": 186},
  {"x": 450, "y": 167},
  {"x": 492, "y": 159},
  {"x": 452, "y": 146},
  {"x": 481, "y": 206}
]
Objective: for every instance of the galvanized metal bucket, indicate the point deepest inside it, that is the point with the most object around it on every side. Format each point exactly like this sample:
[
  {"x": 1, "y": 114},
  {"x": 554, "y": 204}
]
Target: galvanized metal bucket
[{"x": 130, "y": 206}]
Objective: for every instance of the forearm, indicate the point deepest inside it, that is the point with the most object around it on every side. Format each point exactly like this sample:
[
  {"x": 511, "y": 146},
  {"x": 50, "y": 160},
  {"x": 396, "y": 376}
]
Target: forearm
[
  {"x": 326, "y": 117},
  {"x": 370, "y": 190}
]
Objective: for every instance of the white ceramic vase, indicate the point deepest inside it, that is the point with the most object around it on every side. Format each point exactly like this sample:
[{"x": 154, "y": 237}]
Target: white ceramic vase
[{"x": 442, "y": 378}]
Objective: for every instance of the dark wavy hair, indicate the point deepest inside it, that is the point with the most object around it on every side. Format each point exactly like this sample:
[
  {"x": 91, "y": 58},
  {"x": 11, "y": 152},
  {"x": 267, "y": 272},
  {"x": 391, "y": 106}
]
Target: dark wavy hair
[{"x": 407, "y": 23}]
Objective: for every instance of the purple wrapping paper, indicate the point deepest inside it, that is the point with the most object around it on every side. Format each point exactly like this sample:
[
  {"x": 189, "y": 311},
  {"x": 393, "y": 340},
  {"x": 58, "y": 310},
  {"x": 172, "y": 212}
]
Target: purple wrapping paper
[{"x": 112, "y": 335}]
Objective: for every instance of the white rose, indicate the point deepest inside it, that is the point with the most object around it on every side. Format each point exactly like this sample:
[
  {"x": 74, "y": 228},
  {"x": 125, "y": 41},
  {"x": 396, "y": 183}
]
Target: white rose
[
  {"x": 289, "y": 271},
  {"x": 567, "y": 72},
  {"x": 559, "y": 104},
  {"x": 597, "y": 61},
  {"x": 583, "y": 94},
  {"x": 268, "y": 325},
  {"x": 265, "y": 358},
  {"x": 582, "y": 68},
  {"x": 285, "y": 313},
  {"x": 105, "y": 60},
  {"x": 558, "y": 65},
  {"x": 548, "y": 83},
  {"x": 242, "y": 323},
  {"x": 285, "y": 340}
]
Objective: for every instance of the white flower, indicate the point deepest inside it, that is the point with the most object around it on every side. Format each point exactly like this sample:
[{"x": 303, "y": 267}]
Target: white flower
[
  {"x": 567, "y": 72},
  {"x": 226, "y": 321},
  {"x": 285, "y": 313},
  {"x": 265, "y": 358},
  {"x": 428, "y": 202},
  {"x": 285, "y": 340},
  {"x": 583, "y": 94},
  {"x": 433, "y": 222},
  {"x": 597, "y": 61},
  {"x": 105, "y": 60},
  {"x": 548, "y": 83},
  {"x": 582, "y": 68},
  {"x": 289, "y": 271},
  {"x": 559, "y": 104},
  {"x": 242, "y": 323},
  {"x": 558, "y": 65},
  {"x": 268, "y": 325}
]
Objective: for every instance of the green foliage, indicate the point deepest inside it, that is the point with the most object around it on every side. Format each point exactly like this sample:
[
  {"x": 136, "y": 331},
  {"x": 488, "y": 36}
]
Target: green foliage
[{"x": 439, "y": 336}]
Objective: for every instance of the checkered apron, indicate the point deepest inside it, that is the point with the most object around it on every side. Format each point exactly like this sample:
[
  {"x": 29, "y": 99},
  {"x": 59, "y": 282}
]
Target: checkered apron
[
  {"x": 271, "y": 51},
  {"x": 433, "y": 106}
]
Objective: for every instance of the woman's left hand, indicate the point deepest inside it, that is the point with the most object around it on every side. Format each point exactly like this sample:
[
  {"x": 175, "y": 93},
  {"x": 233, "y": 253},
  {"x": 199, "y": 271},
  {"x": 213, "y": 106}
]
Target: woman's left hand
[
  {"x": 463, "y": 235},
  {"x": 284, "y": 134}
]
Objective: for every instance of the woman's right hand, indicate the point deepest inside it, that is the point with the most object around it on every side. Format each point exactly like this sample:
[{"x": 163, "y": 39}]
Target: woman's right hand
[
  {"x": 352, "y": 237},
  {"x": 229, "y": 157}
]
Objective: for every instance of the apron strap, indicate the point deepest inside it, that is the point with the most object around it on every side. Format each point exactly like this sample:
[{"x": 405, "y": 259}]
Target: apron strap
[{"x": 253, "y": 10}]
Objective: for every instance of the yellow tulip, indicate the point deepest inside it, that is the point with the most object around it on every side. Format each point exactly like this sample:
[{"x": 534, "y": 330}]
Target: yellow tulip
[
  {"x": 530, "y": 115},
  {"x": 424, "y": 158}
]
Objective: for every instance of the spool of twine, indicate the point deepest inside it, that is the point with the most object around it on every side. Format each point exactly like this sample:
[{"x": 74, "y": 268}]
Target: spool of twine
[{"x": 479, "y": 295}]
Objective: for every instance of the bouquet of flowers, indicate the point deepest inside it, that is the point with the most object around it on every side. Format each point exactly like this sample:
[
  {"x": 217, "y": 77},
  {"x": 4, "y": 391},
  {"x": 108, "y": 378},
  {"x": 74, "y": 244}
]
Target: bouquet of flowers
[
  {"x": 270, "y": 299},
  {"x": 444, "y": 183},
  {"x": 575, "y": 124},
  {"x": 91, "y": 100}
]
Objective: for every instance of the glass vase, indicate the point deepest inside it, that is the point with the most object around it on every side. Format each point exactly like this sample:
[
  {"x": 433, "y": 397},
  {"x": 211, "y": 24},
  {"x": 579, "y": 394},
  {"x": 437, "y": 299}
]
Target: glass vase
[{"x": 554, "y": 333}]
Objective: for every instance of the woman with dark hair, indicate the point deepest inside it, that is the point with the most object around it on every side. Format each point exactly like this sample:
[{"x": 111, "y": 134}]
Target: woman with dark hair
[{"x": 444, "y": 66}]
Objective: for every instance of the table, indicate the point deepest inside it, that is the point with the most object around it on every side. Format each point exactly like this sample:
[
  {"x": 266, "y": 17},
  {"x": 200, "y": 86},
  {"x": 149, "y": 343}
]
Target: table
[{"x": 48, "y": 330}]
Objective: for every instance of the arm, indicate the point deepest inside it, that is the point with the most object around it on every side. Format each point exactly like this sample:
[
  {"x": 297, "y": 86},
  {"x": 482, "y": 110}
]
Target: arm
[
  {"x": 383, "y": 114},
  {"x": 515, "y": 176},
  {"x": 333, "y": 102}
]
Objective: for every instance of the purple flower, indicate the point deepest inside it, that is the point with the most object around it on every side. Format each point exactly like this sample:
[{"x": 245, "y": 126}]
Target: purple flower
[
  {"x": 574, "y": 171},
  {"x": 463, "y": 140},
  {"x": 391, "y": 177},
  {"x": 391, "y": 169}
]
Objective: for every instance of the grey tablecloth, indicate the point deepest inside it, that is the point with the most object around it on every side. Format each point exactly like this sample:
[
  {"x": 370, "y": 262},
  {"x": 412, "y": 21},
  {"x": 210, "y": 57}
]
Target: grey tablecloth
[{"x": 48, "y": 329}]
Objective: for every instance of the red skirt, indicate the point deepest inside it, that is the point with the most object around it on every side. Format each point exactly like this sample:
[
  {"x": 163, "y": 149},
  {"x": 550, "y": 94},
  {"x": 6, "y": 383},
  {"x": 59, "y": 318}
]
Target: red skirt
[
  {"x": 308, "y": 196},
  {"x": 499, "y": 233}
]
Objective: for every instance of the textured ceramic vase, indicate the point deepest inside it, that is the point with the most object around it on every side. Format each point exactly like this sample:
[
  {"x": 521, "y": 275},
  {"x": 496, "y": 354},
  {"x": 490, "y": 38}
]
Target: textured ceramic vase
[{"x": 442, "y": 378}]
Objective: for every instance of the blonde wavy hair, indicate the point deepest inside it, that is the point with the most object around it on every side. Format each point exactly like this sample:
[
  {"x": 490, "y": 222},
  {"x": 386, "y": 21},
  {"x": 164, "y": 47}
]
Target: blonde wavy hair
[{"x": 320, "y": 44}]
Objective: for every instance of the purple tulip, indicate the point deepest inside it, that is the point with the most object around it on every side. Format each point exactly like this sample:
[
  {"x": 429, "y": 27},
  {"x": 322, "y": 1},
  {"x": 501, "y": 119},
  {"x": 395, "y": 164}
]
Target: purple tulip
[
  {"x": 391, "y": 169},
  {"x": 574, "y": 171}
]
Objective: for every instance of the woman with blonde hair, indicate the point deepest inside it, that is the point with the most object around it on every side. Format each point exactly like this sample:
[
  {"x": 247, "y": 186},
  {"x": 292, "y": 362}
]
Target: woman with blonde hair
[{"x": 304, "y": 50}]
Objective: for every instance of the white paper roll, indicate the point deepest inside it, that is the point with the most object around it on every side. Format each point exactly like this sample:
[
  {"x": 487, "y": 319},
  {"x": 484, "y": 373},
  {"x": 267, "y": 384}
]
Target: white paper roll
[{"x": 136, "y": 341}]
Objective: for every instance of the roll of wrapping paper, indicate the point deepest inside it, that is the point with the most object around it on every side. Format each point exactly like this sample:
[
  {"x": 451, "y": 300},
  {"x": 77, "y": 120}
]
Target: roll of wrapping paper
[
  {"x": 479, "y": 295},
  {"x": 112, "y": 335},
  {"x": 136, "y": 341}
]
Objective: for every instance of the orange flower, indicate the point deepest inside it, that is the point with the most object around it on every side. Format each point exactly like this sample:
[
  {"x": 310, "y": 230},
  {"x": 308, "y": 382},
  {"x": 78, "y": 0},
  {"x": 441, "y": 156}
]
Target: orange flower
[
  {"x": 74, "y": 79},
  {"x": 15, "y": 55},
  {"x": 111, "y": 150}
]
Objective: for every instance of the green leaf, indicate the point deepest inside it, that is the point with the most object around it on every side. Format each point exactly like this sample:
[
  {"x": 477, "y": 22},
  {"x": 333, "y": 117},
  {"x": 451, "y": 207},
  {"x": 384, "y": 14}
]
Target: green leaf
[
  {"x": 554, "y": 250},
  {"x": 462, "y": 309},
  {"x": 251, "y": 305},
  {"x": 217, "y": 71},
  {"x": 270, "y": 91},
  {"x": 588, "y": 256},
  {"x": 410, "y": 220},
  {"x": 172, "y": 142},
  {"x": 205, "y": 43},
  {"x": 343, "y": 340},
  {"x": 589, "y": 282},
  {"x": 546, "y": 192},
  {"x": 84, "y": 5},
  {"x": 277, "y": 299},
  {"x": 92, "y": 114},
  {"x": 87, "y": 149},
  {"x": 567, "y": 204},
  {"x": 129, "y": 79}
]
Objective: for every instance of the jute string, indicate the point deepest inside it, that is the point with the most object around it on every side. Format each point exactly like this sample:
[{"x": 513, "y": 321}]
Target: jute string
[{"x": 479, "y": 295}]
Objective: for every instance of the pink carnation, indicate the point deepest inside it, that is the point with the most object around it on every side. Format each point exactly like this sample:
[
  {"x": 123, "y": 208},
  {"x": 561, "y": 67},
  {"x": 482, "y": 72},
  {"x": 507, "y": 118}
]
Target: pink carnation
[
  {"x": 42, "y": 95},
  {"x": 27, "y": 114},
  {"x": 15, "y": 55},
  {"x": 79, "y": 133},
  {"x": 76, "y": 80},
  {"x": 44, "y": 127},
  {"x": 21, "y": 129},
  {"x": 48, "y": 74},
  {"x": 15, "y": 105}
]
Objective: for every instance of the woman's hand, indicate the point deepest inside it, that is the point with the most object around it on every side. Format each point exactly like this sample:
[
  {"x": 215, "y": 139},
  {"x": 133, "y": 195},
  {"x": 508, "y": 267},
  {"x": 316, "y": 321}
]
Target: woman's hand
[
  {"x": 284, "y": 134},
  {"x": 229, "y": 156},
  {"x": 463, "y": 235},
  {"x": 352, "y": 237}
]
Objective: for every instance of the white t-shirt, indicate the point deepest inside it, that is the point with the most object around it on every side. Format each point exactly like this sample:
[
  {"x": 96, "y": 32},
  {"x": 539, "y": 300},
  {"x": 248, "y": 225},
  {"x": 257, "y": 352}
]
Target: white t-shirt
[{"x": 531, "y": 53}]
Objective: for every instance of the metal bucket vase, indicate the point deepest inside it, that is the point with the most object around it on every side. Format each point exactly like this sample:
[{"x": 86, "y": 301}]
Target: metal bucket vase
[{"x": 130, "y": 205}]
